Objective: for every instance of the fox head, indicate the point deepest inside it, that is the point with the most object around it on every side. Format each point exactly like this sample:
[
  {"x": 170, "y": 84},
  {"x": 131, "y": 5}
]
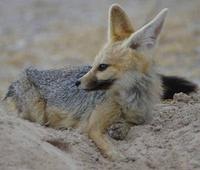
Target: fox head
[{"x": 127, "y": 52}]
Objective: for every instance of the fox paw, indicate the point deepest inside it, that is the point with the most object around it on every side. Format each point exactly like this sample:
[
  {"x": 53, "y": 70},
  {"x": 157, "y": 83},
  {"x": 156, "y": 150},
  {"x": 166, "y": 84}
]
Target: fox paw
[
  {"x": 117, "y": 156},
  {"x": 118, "y": 131}
]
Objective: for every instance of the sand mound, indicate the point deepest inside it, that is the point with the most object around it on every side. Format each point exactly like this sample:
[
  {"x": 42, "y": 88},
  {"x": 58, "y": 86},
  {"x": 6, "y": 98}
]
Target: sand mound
[{"x": 171, "y": 141}]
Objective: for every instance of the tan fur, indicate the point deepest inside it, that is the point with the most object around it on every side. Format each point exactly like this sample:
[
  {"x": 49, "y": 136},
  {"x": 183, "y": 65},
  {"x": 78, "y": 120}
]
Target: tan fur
[
  {"x": 58, "y": 118},
  {"x": 102, "y": 117},
  {"x": 121, "y": 60},
  {"x": 120, "y": 26}
]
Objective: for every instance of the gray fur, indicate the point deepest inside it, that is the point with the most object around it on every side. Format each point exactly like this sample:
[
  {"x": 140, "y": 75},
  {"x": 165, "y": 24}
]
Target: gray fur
[{"x": 57, "y": 88}]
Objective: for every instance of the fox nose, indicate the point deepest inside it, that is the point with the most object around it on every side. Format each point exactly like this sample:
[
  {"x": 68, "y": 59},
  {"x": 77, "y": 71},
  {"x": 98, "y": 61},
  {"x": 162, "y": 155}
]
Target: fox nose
[{"x": 78, "y": 83}]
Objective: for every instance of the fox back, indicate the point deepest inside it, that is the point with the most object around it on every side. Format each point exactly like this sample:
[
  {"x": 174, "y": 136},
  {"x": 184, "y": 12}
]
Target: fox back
[{"x": 56, "y": 91}]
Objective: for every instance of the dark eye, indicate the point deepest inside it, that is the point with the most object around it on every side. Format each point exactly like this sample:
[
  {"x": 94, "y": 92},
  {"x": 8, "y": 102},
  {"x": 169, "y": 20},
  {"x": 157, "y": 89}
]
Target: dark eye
[{"x": 103, "y": 67}]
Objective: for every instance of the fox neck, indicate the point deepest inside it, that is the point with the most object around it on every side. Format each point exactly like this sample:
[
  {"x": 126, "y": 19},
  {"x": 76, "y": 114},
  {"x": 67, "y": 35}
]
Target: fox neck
[{"x": 137, "y": 94}]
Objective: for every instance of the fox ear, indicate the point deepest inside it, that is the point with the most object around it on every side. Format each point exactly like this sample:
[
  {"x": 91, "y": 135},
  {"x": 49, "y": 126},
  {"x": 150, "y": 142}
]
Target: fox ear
[
  {"x": 147, "y": 36},
  {"x": 119, "y": 25}
]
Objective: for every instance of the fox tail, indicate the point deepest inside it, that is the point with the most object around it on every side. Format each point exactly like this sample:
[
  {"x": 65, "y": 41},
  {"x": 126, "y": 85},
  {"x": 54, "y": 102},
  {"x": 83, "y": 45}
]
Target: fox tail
[{"x": 174, "y": 84}]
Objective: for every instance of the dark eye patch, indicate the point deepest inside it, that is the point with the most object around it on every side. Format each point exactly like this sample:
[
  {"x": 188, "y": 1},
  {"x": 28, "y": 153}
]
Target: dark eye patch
[{"x": 103, "y": 67}]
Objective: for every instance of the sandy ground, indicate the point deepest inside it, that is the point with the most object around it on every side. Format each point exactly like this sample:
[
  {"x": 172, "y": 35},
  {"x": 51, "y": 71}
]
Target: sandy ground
[
  {"x": 170, "y": 142},
  {"x": 53, "y": 34}
]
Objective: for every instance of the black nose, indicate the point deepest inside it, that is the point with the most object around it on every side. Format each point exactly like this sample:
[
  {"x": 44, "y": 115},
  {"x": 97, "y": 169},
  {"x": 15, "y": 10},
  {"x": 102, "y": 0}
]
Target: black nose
[{"x": 78, "y": 83}]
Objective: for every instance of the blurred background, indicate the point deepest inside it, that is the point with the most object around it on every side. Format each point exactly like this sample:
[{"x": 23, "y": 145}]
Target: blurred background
[{"x": 56, "y": 33}]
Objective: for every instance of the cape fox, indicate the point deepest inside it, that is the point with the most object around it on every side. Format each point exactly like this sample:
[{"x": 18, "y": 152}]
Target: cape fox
[{"x": 122, "y": 83}]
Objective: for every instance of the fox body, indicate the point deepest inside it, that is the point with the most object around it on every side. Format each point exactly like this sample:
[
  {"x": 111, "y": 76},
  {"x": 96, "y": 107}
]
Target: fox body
[
  {"x": 56, "y": 89},
  {"x": 57, "y": 92},
  {"x": 122, "y": 83},
  {"x": 51, "y": 98}
]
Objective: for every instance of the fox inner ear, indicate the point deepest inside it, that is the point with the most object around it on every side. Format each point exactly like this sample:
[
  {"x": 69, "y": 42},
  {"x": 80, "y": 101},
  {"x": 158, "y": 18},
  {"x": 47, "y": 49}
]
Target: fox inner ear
[
  {"x": 119, "y": 24},
  {"x": 147, "y": 36}
]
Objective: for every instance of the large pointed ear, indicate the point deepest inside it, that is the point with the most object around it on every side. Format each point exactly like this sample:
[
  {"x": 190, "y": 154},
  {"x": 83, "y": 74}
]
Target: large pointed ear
[
  {"x": 119, "y": 25},
  {"x": 147, "y": 36}
]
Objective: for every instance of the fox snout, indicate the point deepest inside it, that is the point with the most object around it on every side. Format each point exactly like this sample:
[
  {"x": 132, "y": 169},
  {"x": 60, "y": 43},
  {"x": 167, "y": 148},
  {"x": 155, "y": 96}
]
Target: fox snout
[
  {"x": 86, "y": 84},
  {"x": 94, "y": 84}
]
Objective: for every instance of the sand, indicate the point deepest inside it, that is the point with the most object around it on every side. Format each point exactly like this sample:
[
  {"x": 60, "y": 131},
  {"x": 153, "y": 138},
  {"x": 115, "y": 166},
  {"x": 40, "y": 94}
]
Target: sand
[{"x": 170, "y": 142}]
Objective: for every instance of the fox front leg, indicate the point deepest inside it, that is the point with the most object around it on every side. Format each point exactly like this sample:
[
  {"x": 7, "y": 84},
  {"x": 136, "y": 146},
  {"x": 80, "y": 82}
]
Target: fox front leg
[{"x": 99, "y": 121}]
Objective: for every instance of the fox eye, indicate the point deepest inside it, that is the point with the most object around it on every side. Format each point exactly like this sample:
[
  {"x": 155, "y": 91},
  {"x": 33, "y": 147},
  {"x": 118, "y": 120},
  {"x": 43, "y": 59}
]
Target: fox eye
[{"x": 103, "y": 67}]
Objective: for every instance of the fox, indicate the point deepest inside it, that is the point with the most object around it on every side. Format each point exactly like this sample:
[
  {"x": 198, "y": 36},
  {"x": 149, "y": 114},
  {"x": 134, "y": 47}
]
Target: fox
[{"x": 122, "y": 84}]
